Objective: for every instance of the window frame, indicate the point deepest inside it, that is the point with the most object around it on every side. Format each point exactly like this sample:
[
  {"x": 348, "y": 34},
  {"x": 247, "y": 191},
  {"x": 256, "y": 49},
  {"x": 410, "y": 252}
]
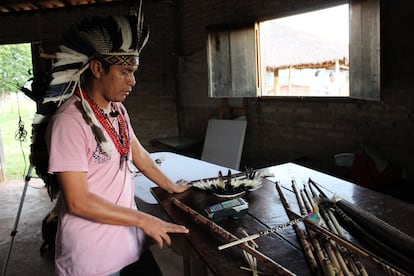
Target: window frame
[
  {"x": 364, "y": 56},
  {"x": 232, "y": 71}
]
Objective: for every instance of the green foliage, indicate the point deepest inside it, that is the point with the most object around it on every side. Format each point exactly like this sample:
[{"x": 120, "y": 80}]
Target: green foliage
[
  {"x": 15, "y": 66},
  {"x": 16, "y": 152}
]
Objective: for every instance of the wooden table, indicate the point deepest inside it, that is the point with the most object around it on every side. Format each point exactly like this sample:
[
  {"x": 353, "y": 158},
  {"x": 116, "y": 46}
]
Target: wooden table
[{"x": 266, "y": 211}]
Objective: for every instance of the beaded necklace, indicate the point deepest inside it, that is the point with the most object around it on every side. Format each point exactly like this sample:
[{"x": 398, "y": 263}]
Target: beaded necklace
[{"x": 120, "y": 140}]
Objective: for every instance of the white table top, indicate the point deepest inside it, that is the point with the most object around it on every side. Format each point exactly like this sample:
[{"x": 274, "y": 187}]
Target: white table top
[{"x": 176, "y": 167}]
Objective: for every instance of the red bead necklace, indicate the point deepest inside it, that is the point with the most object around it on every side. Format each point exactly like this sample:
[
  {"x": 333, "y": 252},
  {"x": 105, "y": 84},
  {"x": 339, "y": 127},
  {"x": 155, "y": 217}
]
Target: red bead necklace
[{"x": 121, "y": 141}]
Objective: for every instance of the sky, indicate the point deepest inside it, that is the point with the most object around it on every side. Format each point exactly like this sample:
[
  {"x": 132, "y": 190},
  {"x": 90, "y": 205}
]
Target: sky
[{"x": 332, "y": 23}]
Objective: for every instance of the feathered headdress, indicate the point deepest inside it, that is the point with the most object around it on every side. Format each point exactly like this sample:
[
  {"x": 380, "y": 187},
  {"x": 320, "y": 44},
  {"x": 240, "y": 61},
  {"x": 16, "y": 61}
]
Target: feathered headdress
[{"x": 114, "y": 39}]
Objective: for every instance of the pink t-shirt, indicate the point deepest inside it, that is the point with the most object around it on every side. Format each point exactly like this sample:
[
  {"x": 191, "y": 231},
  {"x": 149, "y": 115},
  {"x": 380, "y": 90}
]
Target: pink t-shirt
[{"x": 84, "y": 247}]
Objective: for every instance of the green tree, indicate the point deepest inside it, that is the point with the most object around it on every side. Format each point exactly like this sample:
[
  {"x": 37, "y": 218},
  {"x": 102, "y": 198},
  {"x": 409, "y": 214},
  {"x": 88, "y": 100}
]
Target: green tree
[{"x": 15, "y": 66}]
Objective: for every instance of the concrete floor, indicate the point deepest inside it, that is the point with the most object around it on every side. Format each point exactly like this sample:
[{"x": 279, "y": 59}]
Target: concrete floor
[{"x": 25, "y": 258}]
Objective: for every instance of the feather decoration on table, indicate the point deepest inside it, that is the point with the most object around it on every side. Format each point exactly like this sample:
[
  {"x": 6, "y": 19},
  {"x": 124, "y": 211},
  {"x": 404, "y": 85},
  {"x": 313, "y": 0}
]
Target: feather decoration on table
[{"x": 232, "y": 185}]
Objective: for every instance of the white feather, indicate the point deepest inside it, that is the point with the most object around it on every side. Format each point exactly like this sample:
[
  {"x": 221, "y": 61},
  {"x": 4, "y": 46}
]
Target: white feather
[
  {"x": 68, "y": 56},
  {"x": 55, "y": 99},
  {"x": 72, "y": 78},
  {"x": 125, "y": 28},
  {"x": 63, "y": 59},
  {"x": 68, "y": 50},
  {"x": 63, "y": 76},
  {"x": 144, "y": 43}
]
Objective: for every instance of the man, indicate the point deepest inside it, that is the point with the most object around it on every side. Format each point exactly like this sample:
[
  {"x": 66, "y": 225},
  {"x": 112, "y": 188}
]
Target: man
[{"x": 91, "y": 145}]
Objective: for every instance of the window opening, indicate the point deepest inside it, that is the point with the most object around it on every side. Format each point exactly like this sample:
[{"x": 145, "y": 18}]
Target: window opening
[{"x": 306, "y": 54}]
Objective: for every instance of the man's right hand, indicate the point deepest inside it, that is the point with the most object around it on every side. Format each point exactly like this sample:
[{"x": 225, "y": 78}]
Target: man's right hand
[{"x": 159, "y": 229}]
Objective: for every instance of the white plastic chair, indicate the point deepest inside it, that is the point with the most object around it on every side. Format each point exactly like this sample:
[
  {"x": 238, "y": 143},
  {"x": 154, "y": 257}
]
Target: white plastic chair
[{"x": 223, "y": 144}]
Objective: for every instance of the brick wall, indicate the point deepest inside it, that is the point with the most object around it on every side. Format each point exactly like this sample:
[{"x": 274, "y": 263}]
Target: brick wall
[
  {"x": 152, "y": 105},
  {"x": 308, "y": 129}
]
